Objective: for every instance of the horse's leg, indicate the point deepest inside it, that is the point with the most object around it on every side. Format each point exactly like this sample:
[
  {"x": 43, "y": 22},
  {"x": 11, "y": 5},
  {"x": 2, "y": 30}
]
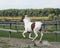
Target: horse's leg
[
  {"x": 24, "y": 33},
  {"x": 30, "y": 36},
  {"x": 41, "y": 37},
  {"x": 36, "y": 35}
]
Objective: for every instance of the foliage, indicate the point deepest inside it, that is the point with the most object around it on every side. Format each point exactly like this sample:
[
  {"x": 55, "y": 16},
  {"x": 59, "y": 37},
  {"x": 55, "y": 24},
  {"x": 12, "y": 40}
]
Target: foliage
[
  {"x": 50, "y": 16},
  {"x": 30, "y": 12},
  {"x": 59, "y": 15}
]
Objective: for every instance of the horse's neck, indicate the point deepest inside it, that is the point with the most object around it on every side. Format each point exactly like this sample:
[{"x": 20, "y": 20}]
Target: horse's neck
[{"x": 26, "y": 23}]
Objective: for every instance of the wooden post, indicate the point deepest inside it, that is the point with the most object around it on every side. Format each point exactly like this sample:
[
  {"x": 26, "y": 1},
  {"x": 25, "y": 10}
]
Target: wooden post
[
  {"x": 55, "y": 32},
  {"x": 16, "y": 29},
  {"x": 10, "y": 32}
]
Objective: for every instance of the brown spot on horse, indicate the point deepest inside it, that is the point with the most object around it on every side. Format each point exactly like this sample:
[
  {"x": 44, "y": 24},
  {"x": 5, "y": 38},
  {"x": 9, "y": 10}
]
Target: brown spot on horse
[
  {"x": 32, "y": 26},
  {"x": 40, "y": 29},
  {"x": 22, "y": 18}
]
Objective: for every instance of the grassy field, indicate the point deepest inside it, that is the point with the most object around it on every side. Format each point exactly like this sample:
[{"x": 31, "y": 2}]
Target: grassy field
[
  {"x": 18, "y": 18},
  {"x": 49, "y": 37}
]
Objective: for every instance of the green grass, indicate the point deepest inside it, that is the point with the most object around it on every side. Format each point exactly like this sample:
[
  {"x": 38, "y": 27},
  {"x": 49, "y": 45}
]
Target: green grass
[
  {"x": 12, "y": 27},
  {"x": 4, "y": 34},
  {"x": 49, "y": 37},
  {"x": 52, "y": 28}
]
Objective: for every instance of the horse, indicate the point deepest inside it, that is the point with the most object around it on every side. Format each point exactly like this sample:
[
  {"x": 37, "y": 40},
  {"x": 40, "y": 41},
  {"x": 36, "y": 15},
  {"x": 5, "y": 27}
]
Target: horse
[{"x": 32, "y": 27}]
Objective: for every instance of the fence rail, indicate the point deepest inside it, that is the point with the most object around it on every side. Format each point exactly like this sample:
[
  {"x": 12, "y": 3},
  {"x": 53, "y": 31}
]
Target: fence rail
[{"x": 55, "y": 24}]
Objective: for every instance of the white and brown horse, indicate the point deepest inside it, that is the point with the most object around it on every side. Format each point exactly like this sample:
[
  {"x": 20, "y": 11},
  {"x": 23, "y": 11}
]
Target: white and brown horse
[{"x": 32, "y": 26}]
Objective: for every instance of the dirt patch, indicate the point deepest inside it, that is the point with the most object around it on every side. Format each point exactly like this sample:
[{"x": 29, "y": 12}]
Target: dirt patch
[{"x": 25, "y": 43}]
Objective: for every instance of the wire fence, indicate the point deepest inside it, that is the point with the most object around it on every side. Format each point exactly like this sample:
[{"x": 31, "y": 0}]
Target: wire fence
[{"x": 49, "y": 27}]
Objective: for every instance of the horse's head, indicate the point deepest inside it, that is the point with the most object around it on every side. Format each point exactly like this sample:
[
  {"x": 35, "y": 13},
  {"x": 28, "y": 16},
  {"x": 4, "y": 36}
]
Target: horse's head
[
  {"x": 25, "y": 18},
  {"x": 22, "y": 18}
]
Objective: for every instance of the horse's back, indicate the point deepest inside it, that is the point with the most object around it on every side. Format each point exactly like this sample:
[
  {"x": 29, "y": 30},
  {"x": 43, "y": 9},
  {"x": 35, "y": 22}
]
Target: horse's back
[{"x": 38, "y": 25}]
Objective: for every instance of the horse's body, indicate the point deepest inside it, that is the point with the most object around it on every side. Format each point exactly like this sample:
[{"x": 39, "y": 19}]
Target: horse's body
[
  {"x": 37, "y": 26},
  {"x": 32, "y": 27}
]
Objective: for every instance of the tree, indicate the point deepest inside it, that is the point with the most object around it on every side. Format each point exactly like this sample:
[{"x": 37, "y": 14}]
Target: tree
[
  {"x": 59, "y": 16},
  {"x": 50, "y": 16},
  {"x": 30, "y": 12}
]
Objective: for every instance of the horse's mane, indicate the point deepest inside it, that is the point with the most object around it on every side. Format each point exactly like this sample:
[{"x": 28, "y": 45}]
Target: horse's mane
[{"x": 27, "y": 18}]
